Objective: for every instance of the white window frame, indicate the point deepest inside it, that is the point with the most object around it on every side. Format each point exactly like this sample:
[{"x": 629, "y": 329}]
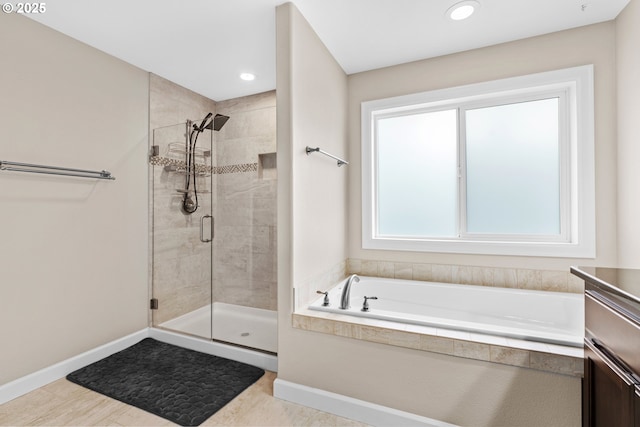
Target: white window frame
[{"x": 574, "y": 86}]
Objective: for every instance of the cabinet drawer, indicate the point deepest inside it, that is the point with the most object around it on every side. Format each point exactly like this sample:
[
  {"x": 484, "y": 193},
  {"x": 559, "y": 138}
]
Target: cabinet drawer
[
  {"x": 637, "y": 407},
  {"x": 608, "y": 393},
  {"x": 618, "y": 333}
]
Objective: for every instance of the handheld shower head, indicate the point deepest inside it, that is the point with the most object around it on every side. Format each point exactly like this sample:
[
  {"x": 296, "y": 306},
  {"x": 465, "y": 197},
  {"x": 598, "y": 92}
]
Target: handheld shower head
[{"x": 204, "y": 121}]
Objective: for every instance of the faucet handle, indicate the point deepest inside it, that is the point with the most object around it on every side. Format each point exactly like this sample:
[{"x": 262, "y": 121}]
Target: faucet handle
[
  {"x": 365, "y": 304},
  {"x": 325, "y": 303}
]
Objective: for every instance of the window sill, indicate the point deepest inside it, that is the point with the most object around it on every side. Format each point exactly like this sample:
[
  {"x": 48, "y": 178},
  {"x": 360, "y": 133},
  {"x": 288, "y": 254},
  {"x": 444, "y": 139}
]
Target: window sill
[{"x": 537, "y": 249}]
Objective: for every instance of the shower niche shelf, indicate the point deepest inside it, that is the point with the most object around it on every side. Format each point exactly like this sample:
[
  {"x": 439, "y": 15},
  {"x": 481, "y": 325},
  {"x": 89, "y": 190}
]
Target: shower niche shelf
[{"x": 267, "y": 166}]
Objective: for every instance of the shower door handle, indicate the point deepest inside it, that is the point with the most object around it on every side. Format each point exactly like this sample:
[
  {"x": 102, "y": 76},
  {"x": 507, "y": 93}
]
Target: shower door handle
[{"x": 202, "y": 238}]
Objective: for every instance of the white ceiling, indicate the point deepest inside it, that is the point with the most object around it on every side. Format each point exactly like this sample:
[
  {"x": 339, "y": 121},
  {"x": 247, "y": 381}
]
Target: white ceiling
[{"x": 205, "y": 44}]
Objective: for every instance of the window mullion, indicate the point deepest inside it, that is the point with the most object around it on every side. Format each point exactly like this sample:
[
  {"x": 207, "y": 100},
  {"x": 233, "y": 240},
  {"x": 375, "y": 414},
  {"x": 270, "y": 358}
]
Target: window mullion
[{"x": 462, "y": 175}]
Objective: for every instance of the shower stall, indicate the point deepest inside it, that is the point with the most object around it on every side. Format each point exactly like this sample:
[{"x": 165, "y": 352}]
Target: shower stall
[{"x": 213, "y": 218}]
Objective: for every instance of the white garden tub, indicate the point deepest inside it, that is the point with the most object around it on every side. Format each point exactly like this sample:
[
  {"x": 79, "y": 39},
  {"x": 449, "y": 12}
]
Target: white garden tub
[{"x": 549, "y": 317}]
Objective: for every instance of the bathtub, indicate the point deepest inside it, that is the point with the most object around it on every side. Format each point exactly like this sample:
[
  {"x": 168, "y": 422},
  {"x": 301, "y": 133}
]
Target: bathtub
[{"x": 549, "y": 317}]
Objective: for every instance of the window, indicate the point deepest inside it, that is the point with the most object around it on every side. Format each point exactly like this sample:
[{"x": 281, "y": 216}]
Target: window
[{"x": 502, "y": 167}]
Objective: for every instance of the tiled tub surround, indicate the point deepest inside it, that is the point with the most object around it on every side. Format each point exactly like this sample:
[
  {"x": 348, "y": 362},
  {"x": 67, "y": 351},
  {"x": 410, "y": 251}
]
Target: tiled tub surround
[
  {"x": 538, "y": 280},
  {"x": 552, "y": 358}
]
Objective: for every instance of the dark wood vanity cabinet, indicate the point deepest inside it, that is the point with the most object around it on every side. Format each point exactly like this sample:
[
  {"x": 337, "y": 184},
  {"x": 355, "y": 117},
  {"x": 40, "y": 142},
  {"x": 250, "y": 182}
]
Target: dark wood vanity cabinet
[
  {"x": 611, "y": 384},
  {"x": 608, "y": 398},
  {"x": 637, "y": 406}
]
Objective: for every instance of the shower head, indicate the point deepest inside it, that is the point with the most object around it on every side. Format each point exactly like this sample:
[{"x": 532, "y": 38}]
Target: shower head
[{"x": 218, "y": 121}]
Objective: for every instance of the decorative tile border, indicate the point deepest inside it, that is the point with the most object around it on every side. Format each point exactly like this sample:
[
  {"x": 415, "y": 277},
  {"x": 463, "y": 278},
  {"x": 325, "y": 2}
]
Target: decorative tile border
[
  {"x": 180, "y": 166},
  {"x": 242, "y": 167}
]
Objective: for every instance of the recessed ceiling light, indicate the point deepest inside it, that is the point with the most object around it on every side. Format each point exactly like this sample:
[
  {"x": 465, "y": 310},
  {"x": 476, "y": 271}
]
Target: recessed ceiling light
[
  {"x": 247, "y": 76},
  {"x": 462, "y": 10}
]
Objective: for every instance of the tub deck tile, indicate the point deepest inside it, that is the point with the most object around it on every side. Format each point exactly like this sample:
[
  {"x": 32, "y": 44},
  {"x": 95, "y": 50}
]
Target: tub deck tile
[
  {"x": 437, "y": 344},
  {"x": 343, "y": 329},
  {"x": 507, "y": 351},
  {"x": 556, "y": 363},
  {"x": 472, "y": 350},
  {"x": 405, "y": 339},
  {"x": 510, "y": 356},
  {"x": 374, "y": 334}
]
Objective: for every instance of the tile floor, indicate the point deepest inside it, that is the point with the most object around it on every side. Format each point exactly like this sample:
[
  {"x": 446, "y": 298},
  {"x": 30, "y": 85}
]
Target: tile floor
[{"x": 63, "y": 403}]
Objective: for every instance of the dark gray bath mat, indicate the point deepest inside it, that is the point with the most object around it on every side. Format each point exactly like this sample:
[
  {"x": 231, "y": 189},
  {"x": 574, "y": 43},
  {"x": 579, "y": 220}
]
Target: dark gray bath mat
[{"x": 183, "y": 386}]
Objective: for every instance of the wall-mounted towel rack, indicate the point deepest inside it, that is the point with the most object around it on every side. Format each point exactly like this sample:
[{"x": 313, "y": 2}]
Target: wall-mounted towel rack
[
  {"x": 54, "y": 170},
  {"x": 318, "y": 150}
]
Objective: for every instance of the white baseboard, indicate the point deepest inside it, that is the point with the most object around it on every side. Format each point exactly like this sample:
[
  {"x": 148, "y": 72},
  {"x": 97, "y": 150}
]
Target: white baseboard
[
  {"x": 347, "y": 407},
  {"x": 24, "y": 385}
]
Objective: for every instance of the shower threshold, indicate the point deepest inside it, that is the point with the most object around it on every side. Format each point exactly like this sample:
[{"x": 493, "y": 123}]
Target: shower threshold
[{"x": 246, "y": 326}]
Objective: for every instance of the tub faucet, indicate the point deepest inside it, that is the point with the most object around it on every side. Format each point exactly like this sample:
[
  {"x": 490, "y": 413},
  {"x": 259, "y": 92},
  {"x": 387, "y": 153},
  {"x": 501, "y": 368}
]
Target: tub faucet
[{"x": 344, "y": 299}]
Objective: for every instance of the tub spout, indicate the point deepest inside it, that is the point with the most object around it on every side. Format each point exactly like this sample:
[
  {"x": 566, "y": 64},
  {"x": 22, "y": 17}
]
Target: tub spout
[{"x": 346, "y": 291}]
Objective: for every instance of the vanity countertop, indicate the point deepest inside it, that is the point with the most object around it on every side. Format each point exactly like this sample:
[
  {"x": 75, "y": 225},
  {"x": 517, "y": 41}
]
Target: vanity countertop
[{"x": 618, "y": 285}]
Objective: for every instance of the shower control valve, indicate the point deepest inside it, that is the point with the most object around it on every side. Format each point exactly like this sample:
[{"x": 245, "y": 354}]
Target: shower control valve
[
  {"x": 365, "y": 304},
  {"x": 325, "y": 303}
]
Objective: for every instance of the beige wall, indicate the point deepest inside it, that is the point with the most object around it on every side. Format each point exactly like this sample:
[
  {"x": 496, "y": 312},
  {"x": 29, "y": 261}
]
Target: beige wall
[
  {"x": 73, "y": 252},
  {"x": 311, "y": 106},
  {"x": 311, "y": 92},
  {"x": 628, "y": 112},
  {"x": 588, "y": 45}
]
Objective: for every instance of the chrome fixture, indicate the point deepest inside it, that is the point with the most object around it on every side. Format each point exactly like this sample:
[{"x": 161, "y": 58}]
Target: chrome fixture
[
  {"x": 344, "y": 299},
  {"x": 54, "y": 170},
  {"x": 325, "y": 302},
  {"x": 318, "y": 150},
  {"x": 204, "y": 239},
  {"x": 365, "y": 304}
]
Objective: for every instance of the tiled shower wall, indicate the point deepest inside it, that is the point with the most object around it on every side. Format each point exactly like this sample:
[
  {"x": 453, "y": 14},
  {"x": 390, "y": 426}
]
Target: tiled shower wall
[
  {"x": 245, "y": 212},
  {"x": 243, "y": 195}
]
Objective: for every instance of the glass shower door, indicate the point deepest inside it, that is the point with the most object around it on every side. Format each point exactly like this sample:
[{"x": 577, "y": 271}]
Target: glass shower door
[{"x": 182, "y": 228}]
